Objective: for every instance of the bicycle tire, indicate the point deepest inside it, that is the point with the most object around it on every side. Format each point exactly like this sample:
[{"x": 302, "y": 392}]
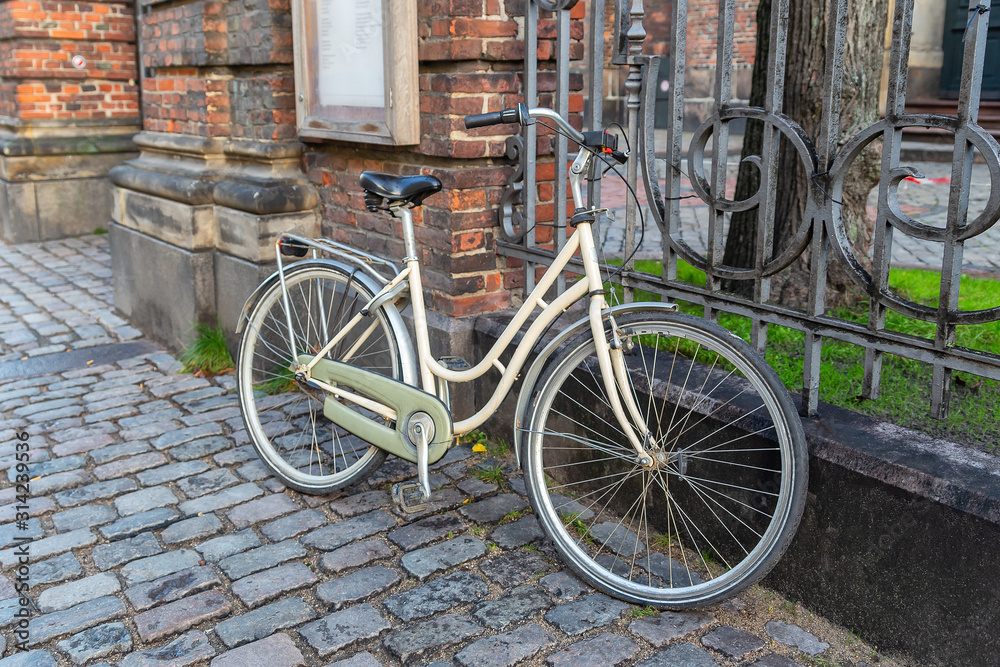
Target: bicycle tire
[
  {"x": 720, "y": 507},
  {"x": 284, "y": 420}
]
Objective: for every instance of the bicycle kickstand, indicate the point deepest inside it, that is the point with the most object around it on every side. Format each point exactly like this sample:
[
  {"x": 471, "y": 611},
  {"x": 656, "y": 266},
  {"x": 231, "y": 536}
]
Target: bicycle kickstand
[{"x": 403, "y": 493}]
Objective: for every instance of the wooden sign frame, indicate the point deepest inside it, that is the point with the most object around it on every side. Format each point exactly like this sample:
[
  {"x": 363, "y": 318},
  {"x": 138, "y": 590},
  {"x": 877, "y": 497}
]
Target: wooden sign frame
[{"x": 335, "y": 97}]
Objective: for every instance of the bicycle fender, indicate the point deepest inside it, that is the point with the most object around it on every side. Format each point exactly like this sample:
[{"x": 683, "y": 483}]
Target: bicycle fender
[
  {"x": 406, "y": 352},
  {"x": 538, "y": 365}
]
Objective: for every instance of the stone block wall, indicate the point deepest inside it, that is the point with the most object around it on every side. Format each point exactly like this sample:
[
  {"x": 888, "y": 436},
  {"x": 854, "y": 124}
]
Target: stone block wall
[
  {"x": 220, "y": 173},
  {"x": 64, "y": 122}
]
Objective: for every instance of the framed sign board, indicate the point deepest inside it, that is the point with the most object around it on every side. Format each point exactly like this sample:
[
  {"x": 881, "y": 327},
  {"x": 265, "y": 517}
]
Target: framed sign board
[{"x": 356, "y": 70}]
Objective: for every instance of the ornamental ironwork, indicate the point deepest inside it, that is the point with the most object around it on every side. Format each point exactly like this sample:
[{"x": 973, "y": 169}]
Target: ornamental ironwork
[{"x": 821, "y": 232}]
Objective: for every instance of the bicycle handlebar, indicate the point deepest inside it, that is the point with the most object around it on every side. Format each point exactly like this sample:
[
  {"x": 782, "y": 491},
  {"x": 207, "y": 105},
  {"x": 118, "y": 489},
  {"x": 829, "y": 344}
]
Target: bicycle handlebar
[
  {"x": 523, "y": 116},
  {"x": 600, "y": 140}
]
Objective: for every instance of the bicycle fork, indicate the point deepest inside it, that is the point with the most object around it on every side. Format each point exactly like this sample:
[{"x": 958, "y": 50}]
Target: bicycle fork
[{"x": 611, "y": 356}]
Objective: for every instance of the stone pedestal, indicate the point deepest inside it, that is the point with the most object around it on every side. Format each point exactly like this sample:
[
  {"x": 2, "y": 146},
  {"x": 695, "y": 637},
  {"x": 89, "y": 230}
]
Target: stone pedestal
[
  {"x": 69, "y": 105},
  {"x": 195, "y": 222}
]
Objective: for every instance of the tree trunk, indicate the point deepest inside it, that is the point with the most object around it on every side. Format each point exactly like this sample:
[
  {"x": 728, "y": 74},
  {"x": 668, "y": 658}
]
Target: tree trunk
[{"x": 803, "y": 101}]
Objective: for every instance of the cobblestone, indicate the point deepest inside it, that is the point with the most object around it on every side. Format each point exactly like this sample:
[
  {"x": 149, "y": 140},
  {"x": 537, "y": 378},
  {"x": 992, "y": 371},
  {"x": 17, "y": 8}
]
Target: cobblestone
[
  {"x": 221, "y": 547},
  {"x": 593, "y": 611},
  {"x": 425, "y": 531},
  {"x": 264, "y": 621},
  {"x": 356, "y": 586},
  {"x": 681, "y": 655},
  {"x": 493, "y": 509},
  {"x": 293, "y": 525},
  {"x": 605, "y": 650},
  {"x": 97, "y": 642},
  {"x": 83, "y": 517},
  {"x": 180, "y": 615},
  {"x": 260, "y": 588},
  {"x": 419, "y": 638},
  {"x": 190, "y": 529},
  {"x": 226, "y": 498},
  {"x": 522, "y": 602},
  {"x": 422, "y": 563},
  {"x": 113, "y": 452},
  {"x": 506, "y": 649},
  {"x": 50, "y": 546},
  {"x": 75, "y": 619},
  {"x": 353, "y": 555},
  {"x": 438, "y": 595},
  {"x": 732, "y": 642},
  {"x": 523, "y": 531},
  {"x": 127, "y": 466},
  {"x": 76, "y": 592},
  {"x": 107, "y": 556},
  {"x": 793, "y": 635},
  {"x": 197, "y": 449},
  {"x": 158, "y": 566},
  {"x": 214, "y": 480},
  {"x": 30, "y": 659},
  {"x": 261, "y": 558},
  {"x": 667, "y": 626},
  {"x": 172, "y": 472},
  {"x": 60, "y": 481},
  {"x": 343, "y": 532},
  {"x": 137, "y": 523},
  {"x": 343, "y": 628},
  {"x": 171, "y": 587},
  {"x": 98, "y": 491},
  {"x": 262, "y": 509},
  {"x": 514, "y": 567},
  {"x": 276, "y": 651},
  {"x": 774, "y": 660},
  {"x": 360, "y": 503},
  {"x": 186, "y": 650},
  {"x": 54, "y": 570}
]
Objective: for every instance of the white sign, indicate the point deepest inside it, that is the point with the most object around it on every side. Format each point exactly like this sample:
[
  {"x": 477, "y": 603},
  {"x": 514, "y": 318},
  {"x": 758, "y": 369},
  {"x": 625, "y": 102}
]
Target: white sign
[{"x": 351, "y": 71}]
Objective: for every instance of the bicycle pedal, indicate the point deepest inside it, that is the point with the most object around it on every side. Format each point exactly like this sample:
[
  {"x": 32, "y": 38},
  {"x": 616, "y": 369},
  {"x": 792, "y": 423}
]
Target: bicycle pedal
[
  {"x": 454, "y": 363},
  {"x": 404, "y": 493}
]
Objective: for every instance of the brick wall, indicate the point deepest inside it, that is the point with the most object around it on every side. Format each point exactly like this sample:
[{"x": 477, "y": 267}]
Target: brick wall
[
  {"x": 201, "y": 84},
  {"x": 38, "y": 39},
  {"x": 703, "y": 16},
  {"x": 471, "y": 61}
]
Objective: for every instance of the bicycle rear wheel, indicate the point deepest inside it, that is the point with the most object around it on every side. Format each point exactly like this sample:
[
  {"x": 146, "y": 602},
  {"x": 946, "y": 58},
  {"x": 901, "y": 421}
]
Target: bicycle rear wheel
[
  {"x": 725, "y": 493},
  {"x": 284, "y": 419}
]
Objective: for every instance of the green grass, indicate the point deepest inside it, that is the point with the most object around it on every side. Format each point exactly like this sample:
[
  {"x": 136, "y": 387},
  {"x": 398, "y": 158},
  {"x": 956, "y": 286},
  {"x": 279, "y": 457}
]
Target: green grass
[
  {"x": 493, "y": 475},
  {"x": 642, "y": 612},
  {"x": 905, "y": 389},
  {"x": 208, "y": 353},
  {"x": 282, "y": 380}
]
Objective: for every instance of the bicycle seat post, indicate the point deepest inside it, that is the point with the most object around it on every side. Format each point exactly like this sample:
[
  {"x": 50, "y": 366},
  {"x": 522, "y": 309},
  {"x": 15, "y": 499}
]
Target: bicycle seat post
[{"x": 409, "y": 236}]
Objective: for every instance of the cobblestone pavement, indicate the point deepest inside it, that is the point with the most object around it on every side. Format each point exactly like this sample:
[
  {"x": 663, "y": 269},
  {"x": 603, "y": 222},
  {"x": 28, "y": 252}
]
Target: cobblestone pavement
[
  {"x": 159, "y": 538},
  {"x": 926, "y": 201},
  {"x": 57, "y": 296}
]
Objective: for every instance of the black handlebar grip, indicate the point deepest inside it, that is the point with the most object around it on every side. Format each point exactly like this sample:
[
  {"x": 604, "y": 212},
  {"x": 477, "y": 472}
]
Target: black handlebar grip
[
  {"x": 484, "y": 119},
  {"x": 511, "y": 115}
]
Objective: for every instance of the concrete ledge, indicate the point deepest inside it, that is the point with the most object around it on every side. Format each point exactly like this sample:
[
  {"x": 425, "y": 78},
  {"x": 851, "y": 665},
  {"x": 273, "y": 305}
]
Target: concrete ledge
[
  {"x": 900, "y": 540},
  {"x": 42, "y": 210}
]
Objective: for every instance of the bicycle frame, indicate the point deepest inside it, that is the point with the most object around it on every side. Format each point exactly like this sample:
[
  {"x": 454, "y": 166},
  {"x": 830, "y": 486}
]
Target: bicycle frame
[{"x": 610, "y": 354}]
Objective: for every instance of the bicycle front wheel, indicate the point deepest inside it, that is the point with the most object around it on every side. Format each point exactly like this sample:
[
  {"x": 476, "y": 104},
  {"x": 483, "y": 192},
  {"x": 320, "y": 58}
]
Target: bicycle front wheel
[
  {"x": 284, "y": 419},
  {"x": 722, "y": 496}
]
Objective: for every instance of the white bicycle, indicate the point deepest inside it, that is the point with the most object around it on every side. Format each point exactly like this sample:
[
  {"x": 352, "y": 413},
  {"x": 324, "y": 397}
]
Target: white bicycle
[{"x": 662, "y": 456}]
